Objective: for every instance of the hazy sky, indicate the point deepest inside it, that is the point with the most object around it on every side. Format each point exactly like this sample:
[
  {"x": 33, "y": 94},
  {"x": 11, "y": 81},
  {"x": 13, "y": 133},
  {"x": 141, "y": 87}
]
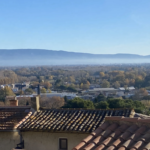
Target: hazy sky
[{"x": 92, "y": 26}]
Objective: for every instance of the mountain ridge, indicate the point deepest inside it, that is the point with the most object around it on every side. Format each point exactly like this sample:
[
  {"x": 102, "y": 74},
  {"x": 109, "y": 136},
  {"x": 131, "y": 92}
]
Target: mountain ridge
[
  {"x": 60, "y": 51},
  {"x": 47, "y": 57}
]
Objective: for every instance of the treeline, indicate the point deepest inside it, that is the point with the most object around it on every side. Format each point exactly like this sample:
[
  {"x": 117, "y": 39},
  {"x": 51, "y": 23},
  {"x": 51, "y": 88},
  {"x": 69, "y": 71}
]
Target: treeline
[
  {"x": 109, "y": 103},
  {"x": 80, "y": 76},
  {"x": 8, "y": 77}
]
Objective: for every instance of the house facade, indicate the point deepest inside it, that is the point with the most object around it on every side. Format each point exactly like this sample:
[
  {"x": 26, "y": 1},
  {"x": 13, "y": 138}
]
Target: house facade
[
  {"x": 10, "y": 118},
  {"x": 118, "y": 133},
  {"x": 51, "y": 140},
  {"x": 55, "y": 129}
]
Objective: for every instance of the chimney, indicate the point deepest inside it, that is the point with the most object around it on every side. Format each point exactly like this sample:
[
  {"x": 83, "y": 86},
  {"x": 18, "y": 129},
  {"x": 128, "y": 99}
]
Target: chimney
[
  {"x": 13, "y": 101},
  {"x": 35, "y": 103}
]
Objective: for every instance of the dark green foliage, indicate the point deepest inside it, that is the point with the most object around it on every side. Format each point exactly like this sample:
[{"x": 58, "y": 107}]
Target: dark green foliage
[
  {"x": 143, "y": 83},
  {"x": 102, "y": 105},
  {"x": 107, "y": 104},
  {"x": 99, "y": 98},
  {"x": 58, "y": 81},
  {"x": 79, "y": 103},
  {"x": 138, "y": 83},
  {"x": 71, "y": 89},
  {"x": 146, "y": 97},
  {"x": 138, "y": 104},
  {"x": 116, "y": 103},
  {"x": 146, "y": 82},
  {"x": 5, "y": 92},
  {"x": 128, "y": 103},
  {"x": 62, "y": 87},
  {"x": 65, "y": 98},
  {"x": 29, "y": 91}
]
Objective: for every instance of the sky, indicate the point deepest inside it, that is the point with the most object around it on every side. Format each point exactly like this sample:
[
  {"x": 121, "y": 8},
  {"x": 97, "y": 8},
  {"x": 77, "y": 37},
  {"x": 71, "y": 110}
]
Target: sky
[{"x": 88, "y": 26}]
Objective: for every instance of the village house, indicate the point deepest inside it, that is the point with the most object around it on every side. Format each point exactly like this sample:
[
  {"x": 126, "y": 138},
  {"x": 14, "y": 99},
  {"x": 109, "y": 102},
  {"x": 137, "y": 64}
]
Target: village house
[
  {"x": 118, "y": 133},
  {"x": 10, "y": 116},
  {"x": 23, "y": 127},
  {"x": 62, "y": 129}
]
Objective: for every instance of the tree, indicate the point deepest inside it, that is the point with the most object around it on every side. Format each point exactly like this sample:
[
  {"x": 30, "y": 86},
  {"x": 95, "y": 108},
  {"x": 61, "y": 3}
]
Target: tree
[
  {"x": 85, "y": 86},
  {"x": 102, "y": 74},
  {"x": 146, "y": 97},
  {"x": 62, "y": 87},
  {"x": 43, "y": 90},
  {"x": 81, "y": 85},
  {"x": 47, "y": 85},
  {"x": 5, "y": 92},
  {"x": 28, "y": 91},
  {"x": 72, "y": 79},
  {"x": 116, "y": 84},
  {"x": 142, "y": 92},
  {"x": 126, "y": 82},
  {"x": 130, "y": 75},
  {"x": 58, "y": 82},
  {"x": 51, "y": 77},
  {"x": 105, "y": 84},
  {"x": 146, "y": 82},
  {"x": 139, "y": 94},
  {"x": 120, "y": 77},
  {"x": 139, "y": 83},
  {"x": 102, "y": 105},
  {"x": 116, "y": 103},
  {"x": 71, "y": 89},
  {"x": 79, "y": 103},
  {"x": 52, "y": 102},
  {"x": 20, "y": 92},
  {"x": 99, "y": 98},
  {"x": 65, "y": 98},
  {"x": 49, "y": 91},
  {"x": 88, "y": 83}
]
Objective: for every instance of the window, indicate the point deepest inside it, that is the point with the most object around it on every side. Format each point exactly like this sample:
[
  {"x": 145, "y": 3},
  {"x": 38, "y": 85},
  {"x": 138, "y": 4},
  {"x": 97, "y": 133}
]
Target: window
[{"x": 63, "y": 144}]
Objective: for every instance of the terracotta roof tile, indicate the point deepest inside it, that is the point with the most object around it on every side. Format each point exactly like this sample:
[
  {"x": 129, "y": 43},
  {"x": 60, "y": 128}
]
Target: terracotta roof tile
[
  {"x": 147, "y": 147},
  {"x": 120, "y": 133},
  {"x": 110, "y": 148},
  {"x": 88, "y": 139},
  {"x": 79, "y": 146},
  {"x": 98, "y": 139},
  {"x": 12, "y": 117},
  {"x": 138, "y": 144},
  {"x": 100, "y": 147},
  {"x": 90, "y": 146},
  {"x": 71, "y": 120}
]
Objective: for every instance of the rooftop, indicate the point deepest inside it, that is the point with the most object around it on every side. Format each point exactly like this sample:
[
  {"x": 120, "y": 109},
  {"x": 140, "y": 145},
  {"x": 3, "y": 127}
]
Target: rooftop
[
  {"x": 70, "y": 120},
  {"x": 118, "y": 133},
  {"x": 102, "y": 89},
  {"x": 10, "y": 116}
]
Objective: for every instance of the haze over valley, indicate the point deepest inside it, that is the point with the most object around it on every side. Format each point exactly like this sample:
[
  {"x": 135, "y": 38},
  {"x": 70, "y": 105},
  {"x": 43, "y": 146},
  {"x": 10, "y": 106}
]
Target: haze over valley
[{"x": 21, "y": 57}]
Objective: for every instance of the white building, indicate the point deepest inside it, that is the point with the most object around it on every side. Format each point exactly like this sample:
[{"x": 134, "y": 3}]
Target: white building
[{"x": 128, "y": 88}]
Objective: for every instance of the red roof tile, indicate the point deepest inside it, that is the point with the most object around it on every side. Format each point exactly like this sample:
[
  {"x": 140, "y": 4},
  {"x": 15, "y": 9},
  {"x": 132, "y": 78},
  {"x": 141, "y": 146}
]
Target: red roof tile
[
  {"x": 119, "y": 133},
  {"x": 12, "y": 117}
]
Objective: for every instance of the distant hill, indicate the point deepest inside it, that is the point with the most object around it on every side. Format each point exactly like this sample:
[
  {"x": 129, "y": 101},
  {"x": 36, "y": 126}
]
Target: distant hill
[{"x": 52, "y": 57}]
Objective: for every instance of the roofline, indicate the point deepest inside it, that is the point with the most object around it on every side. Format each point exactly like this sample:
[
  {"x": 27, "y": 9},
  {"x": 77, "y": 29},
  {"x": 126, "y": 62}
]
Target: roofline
[
  {"x": 136, "y": 120},
  {"x": 52, "y": 131},
  {"x": 83, "y": 108},
  {"x": 15, "y": 107},
  {"x": 13, "y": 130}
]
